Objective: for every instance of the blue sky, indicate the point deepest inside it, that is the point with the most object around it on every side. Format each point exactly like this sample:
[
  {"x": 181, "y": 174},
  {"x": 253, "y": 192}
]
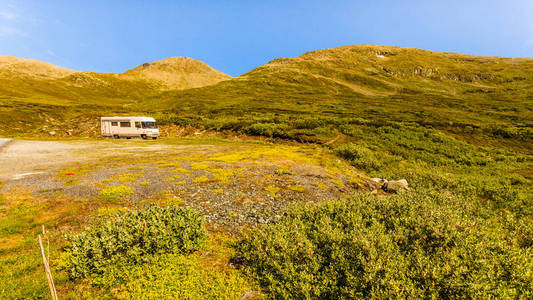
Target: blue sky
[{"x": 237, "y": 36}]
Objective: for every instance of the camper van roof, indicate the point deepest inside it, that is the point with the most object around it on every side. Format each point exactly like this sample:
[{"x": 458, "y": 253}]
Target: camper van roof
[{"x": 128, "y": 119}]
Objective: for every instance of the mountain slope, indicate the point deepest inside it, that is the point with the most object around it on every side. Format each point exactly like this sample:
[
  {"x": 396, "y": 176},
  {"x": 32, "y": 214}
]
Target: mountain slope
[
  {"x": 380, "y": 84},
  {"x": 177, "y": 73},
  {"x": 35, "y": 96},
  {"x": 378, "y": 70},
  {"x": 39, "y": 82},
  {"x": 451, "y": 122},
  {"x": 11, "y": 66}
]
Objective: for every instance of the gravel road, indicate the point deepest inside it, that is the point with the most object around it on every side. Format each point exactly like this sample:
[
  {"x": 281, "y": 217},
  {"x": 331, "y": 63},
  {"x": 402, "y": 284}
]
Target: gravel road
[
  {"x": 4, "y": 142},
  {"x": 21, "y": 158}
]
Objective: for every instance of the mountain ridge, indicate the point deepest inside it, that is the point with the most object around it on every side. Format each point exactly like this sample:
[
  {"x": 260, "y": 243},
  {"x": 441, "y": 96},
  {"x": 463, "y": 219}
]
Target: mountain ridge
[{"x": 170, "y": 73}]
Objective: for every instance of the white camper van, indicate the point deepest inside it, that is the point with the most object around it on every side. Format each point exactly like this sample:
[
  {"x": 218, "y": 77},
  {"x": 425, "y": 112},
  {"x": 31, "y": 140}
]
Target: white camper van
[{"x": 144, "y": 127}]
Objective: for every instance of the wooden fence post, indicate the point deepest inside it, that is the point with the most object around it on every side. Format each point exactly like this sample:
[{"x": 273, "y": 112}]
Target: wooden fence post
[{"x": 47, "y": 270}]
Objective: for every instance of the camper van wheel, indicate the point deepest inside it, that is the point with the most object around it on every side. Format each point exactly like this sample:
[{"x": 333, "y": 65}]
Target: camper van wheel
[
  {"x": 143, "y": 136},
  {"x": 154, "y": 138},
  {"x": 116, "y": 136}
]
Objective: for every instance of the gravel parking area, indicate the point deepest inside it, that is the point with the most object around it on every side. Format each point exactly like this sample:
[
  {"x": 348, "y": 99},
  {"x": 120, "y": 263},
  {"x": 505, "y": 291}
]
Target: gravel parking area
[
  {"x": 21, "y": 158},
  {"x": 234, "y": 185},
  {"x": 4, "y": 142}
]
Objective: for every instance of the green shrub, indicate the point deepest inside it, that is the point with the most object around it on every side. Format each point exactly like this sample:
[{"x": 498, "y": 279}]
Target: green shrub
[
  {"x": 490, "y": 186},
  {"x": 133, "y": 235},
  {"x": 307, "y": 123},
  {"x": 511, "y": 132},
  {"x": 267, "y": 129},
  {"x": 429, "y": 145},
  {"x": 360, "y": 157},
  {"x": 413, "y": 245},
  {"x": 351, "y": 130}
]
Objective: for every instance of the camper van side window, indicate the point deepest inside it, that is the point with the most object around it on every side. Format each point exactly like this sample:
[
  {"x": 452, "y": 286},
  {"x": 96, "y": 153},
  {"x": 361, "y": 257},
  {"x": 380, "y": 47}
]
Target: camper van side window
[
  {"x": 125, "y": 124},
  {"x": 138, "y": 124},
  {"x": 114, "y": 123}
]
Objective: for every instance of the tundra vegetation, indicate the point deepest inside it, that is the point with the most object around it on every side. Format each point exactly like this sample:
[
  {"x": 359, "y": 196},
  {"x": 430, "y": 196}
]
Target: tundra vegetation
[{"x": 458, "y": 128}]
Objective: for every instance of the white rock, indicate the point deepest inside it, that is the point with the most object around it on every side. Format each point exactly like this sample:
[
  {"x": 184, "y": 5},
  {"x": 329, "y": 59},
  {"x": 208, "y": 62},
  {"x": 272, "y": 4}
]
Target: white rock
[{"x": 396, "y": 186}]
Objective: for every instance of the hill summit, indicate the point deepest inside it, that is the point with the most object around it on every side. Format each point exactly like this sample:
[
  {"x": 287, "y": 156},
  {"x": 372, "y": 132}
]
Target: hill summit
[
  {"x": 17, "y": 66},
  {"x": 34, "y": 81},
  {"x": 177, "y": 73}
]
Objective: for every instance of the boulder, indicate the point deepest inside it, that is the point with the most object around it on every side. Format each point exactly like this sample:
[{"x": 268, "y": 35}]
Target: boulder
[{"x": 395, "y": 186}]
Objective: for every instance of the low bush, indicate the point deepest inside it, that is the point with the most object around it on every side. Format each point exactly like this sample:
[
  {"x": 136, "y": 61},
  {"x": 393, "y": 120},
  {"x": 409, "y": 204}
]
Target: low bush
[
  {"x": 430, "y": 158},
  {"x": 267, "y": 129},
  {"x": 429, "y": 145},
  {"x": 360, "y": 157},
  {"x": 133, "y": 235},
  {"x": 413, "y": 245},
  {"x": 307, "y": 123}
]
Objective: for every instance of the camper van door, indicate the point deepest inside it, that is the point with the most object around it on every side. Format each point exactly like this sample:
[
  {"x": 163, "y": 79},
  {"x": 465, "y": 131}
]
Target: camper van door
[{"x": 105, "y": 127}]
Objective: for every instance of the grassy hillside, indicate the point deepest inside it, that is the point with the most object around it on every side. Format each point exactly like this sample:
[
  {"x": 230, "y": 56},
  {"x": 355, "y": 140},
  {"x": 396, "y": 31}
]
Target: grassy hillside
[
  {"x": 177, "y": 73},
  {"x": 406, "y": 106},
  {"x": 32, "y": 81},
  {"x": 11, "y": 66},
  {"x": 458, "y": 93},
  {"x": 475, "y": 98},
  {"x": 36, "y": 96}
]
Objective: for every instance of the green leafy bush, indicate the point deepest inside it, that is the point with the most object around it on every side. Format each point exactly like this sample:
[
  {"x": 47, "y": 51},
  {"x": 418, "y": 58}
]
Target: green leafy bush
[
  {"x": 429, "y": 158},
  {"x": 360, "y": 157},
  {"x": 267, "y": 129},
  {"x": 428, "y": 145},
  {"x": 307, "y": 123},
  {"x": 133, "y": 235},
  {"x": 414, "y": 245}
]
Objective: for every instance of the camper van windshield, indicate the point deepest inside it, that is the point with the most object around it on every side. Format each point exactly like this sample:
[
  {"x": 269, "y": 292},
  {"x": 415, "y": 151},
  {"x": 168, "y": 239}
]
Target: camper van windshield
[{"x": 149, "y": 125}]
